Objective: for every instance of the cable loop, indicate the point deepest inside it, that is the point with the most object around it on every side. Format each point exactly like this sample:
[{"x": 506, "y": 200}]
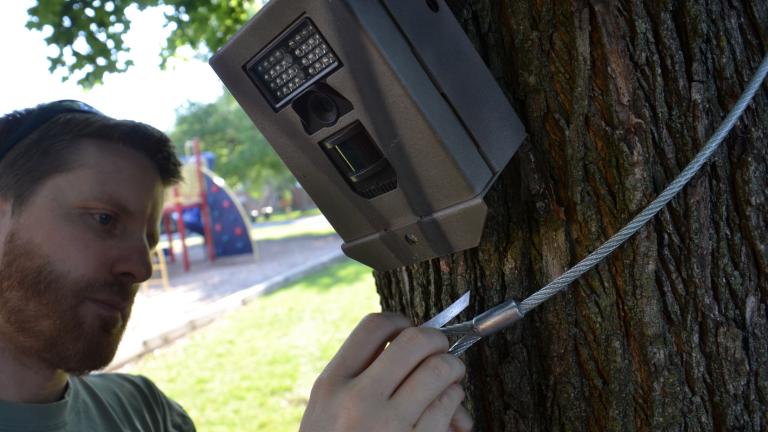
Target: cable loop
[{"x": 470, "y": 332}]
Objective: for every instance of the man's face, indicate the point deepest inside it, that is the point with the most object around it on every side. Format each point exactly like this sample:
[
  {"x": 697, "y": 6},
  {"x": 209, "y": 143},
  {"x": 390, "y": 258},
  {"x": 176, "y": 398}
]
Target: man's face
[{"x": 72, "y": 258}]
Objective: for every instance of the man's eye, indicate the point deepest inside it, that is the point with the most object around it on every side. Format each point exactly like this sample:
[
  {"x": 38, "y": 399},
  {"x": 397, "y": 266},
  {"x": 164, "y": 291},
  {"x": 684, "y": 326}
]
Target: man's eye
[{"x": 103, "y": 218}]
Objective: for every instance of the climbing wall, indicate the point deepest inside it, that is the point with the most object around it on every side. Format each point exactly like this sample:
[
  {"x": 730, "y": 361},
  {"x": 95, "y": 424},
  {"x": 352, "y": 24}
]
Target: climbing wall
[{"x": 229, "y": 227}]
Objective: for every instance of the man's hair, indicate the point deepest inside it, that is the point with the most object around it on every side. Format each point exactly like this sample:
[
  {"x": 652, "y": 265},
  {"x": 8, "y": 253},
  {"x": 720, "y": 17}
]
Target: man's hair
[{"x": 49, "y": 149}]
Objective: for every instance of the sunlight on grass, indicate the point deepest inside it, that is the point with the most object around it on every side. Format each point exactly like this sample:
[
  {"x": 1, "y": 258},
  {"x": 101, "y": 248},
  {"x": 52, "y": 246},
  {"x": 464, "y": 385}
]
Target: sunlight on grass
[{"x": 253, "y": 369}]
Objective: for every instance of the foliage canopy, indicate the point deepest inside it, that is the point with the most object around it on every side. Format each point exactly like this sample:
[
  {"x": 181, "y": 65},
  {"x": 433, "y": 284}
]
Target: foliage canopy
[
  {"x": 243, "y": 156},
  {"x": 89, "y": 33}
]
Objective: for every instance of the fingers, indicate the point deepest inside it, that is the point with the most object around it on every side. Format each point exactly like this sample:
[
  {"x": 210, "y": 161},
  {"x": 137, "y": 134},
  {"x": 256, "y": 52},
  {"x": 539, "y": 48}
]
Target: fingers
[
  {"x": 409, "y": 385},
  {"x": 462, "y": 420},
  {"x": 426, "y": 384},
  {"x": 403, "y": 355},
  {"x": 365, "y": 343},
  {"x": 438, "y": 415}
]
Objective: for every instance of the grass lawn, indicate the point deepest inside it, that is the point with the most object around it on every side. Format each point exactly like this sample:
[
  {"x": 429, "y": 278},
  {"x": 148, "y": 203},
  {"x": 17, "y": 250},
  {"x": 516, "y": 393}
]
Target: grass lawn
[
  {"x": 295, "y": 214},
  {"x": 303, "y": 226},
  {"x": 297, "y": 228},
  {"x": 253, "y": 369}
]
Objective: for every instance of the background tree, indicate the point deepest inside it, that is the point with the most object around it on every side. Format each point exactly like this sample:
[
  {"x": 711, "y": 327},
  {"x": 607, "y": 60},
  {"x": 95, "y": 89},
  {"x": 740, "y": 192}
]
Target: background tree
[
  {"x": 671, "y": 332},
  {"x": 89, "y": 33},
  {"x": 243, "y": 156}
]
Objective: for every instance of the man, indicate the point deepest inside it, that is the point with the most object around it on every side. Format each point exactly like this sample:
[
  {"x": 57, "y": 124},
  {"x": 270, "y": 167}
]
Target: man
[{"x": 80, "y": 201}]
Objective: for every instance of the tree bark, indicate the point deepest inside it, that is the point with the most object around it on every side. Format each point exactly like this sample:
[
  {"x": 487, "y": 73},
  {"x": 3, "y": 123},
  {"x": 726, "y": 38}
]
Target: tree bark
[{"x": 671, "y": 331}]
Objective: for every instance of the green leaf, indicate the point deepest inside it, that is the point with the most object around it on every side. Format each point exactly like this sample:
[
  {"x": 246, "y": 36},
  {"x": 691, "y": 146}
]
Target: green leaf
[{"x": 204, "y": 25}]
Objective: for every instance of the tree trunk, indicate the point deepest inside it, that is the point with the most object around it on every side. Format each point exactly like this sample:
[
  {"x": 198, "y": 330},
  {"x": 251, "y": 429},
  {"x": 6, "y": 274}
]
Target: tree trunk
[{"x": 671, "y": 331}]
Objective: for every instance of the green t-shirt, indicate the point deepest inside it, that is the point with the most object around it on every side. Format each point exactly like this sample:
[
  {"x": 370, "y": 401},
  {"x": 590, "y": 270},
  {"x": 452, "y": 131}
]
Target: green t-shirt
[{"x": 100, "y": 403}]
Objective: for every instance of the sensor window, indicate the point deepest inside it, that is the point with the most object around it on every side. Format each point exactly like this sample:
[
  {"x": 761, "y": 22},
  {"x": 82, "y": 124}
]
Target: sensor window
[
  {"x": 358, "y": 159},
  {"x": 296, "y": 59}
]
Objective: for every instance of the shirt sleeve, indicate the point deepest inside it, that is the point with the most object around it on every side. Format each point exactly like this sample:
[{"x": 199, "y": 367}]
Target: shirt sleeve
[
  {"x": 176, "y": 418},
  {"x": 140, "y": 404}
]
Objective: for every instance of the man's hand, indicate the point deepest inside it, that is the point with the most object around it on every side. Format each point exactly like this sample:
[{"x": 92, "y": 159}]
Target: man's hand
[{"x": 412, "y": 385}]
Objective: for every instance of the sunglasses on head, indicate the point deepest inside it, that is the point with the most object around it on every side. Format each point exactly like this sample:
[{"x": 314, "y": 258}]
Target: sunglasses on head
[{"x": 40, "y": 115}]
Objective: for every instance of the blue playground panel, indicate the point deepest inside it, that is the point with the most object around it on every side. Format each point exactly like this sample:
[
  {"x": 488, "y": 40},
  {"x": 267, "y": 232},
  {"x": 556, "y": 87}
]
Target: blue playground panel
[{"x": 229, "y": 231}]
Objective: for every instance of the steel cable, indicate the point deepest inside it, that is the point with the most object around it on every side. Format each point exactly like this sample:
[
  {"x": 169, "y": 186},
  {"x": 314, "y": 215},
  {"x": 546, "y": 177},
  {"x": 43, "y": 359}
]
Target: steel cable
[{"x": 469, "y": 328}]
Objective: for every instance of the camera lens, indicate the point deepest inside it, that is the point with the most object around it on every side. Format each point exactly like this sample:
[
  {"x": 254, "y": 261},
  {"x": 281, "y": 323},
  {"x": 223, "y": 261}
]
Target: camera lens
[{"x": 322, "y": 107}]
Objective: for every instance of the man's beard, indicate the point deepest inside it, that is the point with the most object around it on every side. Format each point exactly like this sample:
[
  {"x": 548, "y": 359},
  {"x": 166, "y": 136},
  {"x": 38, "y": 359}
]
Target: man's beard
[{"x": 42, "y": 312}]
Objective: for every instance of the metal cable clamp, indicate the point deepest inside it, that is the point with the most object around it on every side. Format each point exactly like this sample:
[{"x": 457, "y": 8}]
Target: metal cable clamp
[{"x": 487, "y": 323}]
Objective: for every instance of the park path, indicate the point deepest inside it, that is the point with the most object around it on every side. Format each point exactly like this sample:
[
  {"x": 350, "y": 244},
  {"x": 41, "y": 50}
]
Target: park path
[{"x": 208, "y": 290}]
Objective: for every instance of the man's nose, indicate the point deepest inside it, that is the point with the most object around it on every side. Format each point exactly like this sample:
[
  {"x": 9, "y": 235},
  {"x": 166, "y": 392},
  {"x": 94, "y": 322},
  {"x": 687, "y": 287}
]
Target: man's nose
[{"x": 133, "y": 263}]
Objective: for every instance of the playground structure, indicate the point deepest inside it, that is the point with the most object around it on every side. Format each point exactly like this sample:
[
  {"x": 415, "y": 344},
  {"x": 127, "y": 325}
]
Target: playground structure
[
  {"x": 204, "y": 204},
  {"x": 158, "y": 266}
]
